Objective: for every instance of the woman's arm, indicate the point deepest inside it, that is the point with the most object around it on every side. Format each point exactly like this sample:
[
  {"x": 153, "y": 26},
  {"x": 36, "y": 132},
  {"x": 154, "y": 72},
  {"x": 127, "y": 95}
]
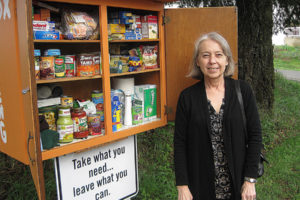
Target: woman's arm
[
  {"x": 253, "y": 131},
  {"x": 180, "y": 140}
]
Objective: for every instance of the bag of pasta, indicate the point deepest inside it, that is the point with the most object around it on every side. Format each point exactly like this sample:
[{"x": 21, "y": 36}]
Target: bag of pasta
[{"x": 79, "y": 26}]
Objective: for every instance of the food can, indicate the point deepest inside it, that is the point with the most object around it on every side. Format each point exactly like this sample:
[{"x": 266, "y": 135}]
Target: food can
[
  {"x": 66, "y": 101},
  {"x": 59, "y": 67},
  {"x": 85, "y": 66},
  {"x": 70, "y": 64},
  {"x": 96, "y": 63},
  {"x": 97, "y": 96},
  {"x": 47, "y": 67},
  {"x": 94, "y": 124}
]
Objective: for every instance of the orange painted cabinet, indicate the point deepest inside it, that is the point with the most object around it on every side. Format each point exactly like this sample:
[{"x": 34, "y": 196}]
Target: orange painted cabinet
[{"x": 105, "y": 45}]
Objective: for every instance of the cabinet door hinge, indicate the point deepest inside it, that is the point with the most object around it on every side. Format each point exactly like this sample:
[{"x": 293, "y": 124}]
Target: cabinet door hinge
[
  {"x": 166, "y": 19},
  {"x": 168, "y": 110}
]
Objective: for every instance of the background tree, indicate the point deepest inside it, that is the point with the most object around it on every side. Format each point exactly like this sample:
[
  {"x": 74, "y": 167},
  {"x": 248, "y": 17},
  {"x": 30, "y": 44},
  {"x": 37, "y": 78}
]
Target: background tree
[{"x": 255, "y": 50}]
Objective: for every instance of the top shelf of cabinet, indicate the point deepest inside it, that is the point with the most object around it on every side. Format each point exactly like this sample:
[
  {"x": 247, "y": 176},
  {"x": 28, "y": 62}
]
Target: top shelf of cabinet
[
  {"x": 66, "y": 41},
  {"x": 142, "y": 40}
]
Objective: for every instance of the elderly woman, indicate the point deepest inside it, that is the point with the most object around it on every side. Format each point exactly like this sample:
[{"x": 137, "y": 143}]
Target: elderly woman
[{"x": 212, "y": 158}]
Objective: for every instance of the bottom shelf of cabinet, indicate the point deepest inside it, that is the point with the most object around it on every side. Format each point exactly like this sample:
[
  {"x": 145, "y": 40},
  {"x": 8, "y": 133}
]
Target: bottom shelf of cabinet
[{"x": 94, "y": 141}]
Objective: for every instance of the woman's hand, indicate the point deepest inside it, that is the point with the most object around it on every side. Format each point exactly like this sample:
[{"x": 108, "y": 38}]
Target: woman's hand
[
  {"x": 248, "y": 191},
  {"x": 184, "y": 193}
]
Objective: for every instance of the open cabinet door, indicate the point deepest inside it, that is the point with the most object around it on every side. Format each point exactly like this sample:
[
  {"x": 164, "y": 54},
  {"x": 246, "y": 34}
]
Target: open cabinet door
[
  {"x": 18, "y": 121},
  {"x": 183, "y": 26}
]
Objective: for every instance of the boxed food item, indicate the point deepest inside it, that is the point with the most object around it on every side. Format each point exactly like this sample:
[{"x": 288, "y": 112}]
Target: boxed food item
[
  {"x": 45, "y": 14},
  {"x": 149, "y": 27},
  {"x": 46, "y": 35},
  {"x": 43, "y": 26},
  {"x": 147, "y": 94},
  {"x": 125, "y": 14},
  {"x": 116, "y": 28}
]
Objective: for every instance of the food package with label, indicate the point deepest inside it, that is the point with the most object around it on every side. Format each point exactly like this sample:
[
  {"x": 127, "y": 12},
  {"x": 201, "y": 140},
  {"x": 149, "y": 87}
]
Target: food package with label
[
  {"x": 116, "y": 28},
  {"x": 149, "y": 27},
  {"x": 43, "y": 25},
  {"x": 46, "y": 35},
  {"x": 85, "y": 65},
  {"x": 148, "y": 95},
  {"x": 115, "y": 64},
  {"x": 149, "y": 55},
  {"x": 117, "y": 109},
  {"x": 97, "y": 63},
  {"x": 80, "y": 25}
]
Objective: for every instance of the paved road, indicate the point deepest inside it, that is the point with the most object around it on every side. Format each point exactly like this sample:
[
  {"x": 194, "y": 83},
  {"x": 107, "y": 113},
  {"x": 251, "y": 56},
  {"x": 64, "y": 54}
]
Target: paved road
[{"x": 290, "y": 75}]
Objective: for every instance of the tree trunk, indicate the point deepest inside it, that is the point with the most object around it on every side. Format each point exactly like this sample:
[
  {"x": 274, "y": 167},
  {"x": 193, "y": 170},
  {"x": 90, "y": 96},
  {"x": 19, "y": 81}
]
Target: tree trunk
[{"x": 255, "y": 48}]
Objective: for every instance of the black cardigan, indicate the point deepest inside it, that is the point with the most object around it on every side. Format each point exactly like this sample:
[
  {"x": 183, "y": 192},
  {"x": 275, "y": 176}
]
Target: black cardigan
[{"x": 192, "y": 146}]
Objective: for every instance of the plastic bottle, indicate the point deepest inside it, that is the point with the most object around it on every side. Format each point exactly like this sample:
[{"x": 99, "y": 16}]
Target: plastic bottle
[{"x": 65, "y": 125}]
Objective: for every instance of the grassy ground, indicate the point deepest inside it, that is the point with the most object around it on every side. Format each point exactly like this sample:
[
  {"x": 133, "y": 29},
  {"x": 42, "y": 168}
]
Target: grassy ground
[{"x": 287, "y": 58}]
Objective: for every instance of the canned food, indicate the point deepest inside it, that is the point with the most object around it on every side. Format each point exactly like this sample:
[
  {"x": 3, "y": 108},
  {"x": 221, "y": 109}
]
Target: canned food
[
  {"x": 70, "y": 65},
  {"x": 59, "y": 67},
  {"x": 85, "y": 65},
  {"x": 97, "y": 97},
  {"x": 66, "y": 101},
  {"x": 94, "y": 124},
  {"x": 47, "y": 68}
]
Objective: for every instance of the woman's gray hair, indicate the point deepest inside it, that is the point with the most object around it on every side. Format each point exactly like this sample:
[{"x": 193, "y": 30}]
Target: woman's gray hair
[{"x": 194, "y": 69}]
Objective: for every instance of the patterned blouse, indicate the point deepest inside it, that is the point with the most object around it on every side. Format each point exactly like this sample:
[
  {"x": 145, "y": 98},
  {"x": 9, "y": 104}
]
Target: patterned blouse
[{"x": 222, "y": 176}]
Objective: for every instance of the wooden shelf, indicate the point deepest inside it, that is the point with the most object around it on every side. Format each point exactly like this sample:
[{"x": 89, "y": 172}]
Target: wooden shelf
[
  {"x": 66, "y": 41},
  {"x": 95, "y": 141},
  {"x": 132, "y": 73},
  {"x": 56, "y": 80},
  {"x": 142, "y": 40}
]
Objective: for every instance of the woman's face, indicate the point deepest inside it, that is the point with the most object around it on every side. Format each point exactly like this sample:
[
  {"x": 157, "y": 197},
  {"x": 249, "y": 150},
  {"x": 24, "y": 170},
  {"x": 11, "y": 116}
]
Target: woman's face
[{"x": 211, "y": 59}]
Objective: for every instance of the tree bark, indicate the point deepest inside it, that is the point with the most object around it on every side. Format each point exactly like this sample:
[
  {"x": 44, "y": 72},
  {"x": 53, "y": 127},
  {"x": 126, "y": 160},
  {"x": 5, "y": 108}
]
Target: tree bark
[{"x": 255, "y": 48}]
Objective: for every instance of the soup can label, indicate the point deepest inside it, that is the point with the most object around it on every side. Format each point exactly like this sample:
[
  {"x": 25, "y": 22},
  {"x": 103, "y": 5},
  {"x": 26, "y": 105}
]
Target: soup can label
[
  {"x": 59, "y": 68},
  {"x": 66, "y": 101},
  {"x": 70, "y": 64}
]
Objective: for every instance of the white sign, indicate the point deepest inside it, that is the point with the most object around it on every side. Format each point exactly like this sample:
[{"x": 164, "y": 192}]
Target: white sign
[
  {"x": 2, "y": 125},
  {"x": 107, "y": 172},
  {"x": 4, "y": 9}
]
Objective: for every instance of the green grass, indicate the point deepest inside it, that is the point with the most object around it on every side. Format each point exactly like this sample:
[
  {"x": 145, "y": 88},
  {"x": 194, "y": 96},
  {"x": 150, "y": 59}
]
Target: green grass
[{"x": 287, "y": 58}]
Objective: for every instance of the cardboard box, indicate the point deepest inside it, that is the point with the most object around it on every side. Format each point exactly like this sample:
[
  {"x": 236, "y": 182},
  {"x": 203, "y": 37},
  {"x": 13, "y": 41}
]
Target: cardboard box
[
  {"x": 46, "y": 35},
  {"x": 116, "y": 28},
  {"x": 45, "y": 14},
  {"x": 148, "y": 95},
  {"x": 149, "y": 27}
]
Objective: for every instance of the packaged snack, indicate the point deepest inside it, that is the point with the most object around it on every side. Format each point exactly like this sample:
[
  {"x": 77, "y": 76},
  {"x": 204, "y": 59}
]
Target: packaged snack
[
  {"x": 79, "y": 25},
  {"x": 135, "y": 62},
  {"x": 150, "y": 57}
]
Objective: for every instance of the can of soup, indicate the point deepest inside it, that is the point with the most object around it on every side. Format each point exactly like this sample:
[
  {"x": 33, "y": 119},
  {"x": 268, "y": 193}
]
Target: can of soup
[
  {"x": 94, "y": 124},
  {"x": 66, "y": 101}
]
